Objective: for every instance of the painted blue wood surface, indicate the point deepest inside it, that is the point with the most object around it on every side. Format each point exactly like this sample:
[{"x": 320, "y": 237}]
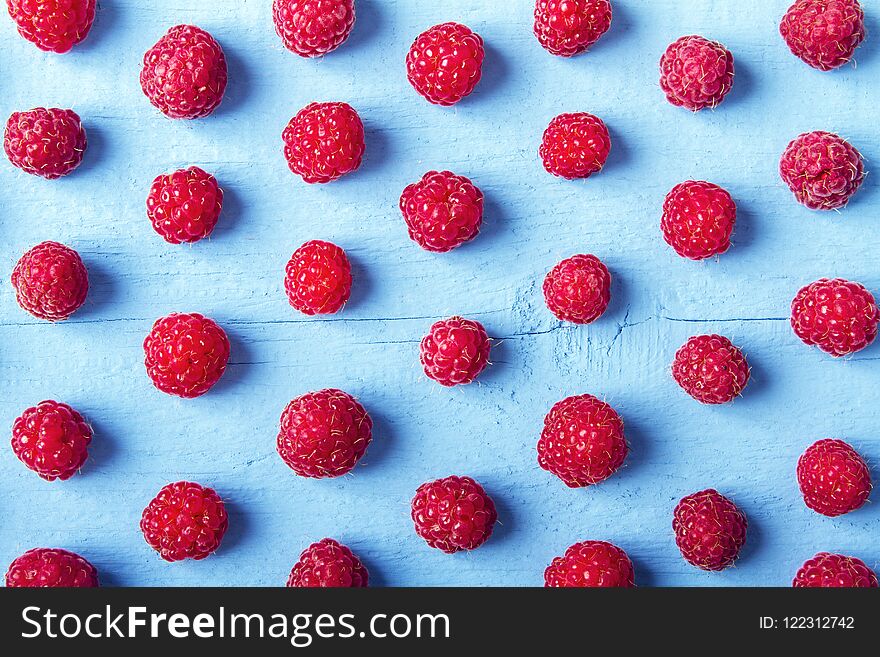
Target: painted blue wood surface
[{"x": 226, "y": 439}]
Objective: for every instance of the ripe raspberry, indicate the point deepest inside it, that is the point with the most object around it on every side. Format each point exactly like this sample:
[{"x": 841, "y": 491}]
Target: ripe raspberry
[
  {"x": 184, "y": 521},
  {"x": 45, "y": 142},
  {"x": 184, "y": 206},
  {"x": 51, "y": 568},
  {"x": 698, "y": 219},
  {"x": 455, "y": 351},
  {"x": 838, "y": 316},
  {"x": 445, "y": 63},
  {"x": 50, "y": 281},
  {"x": 185, "y": 354},
  {"x": 318, "y": 278},
  {"x": 575, "y": 145},
  {"x": 834, "y": 479},
  {"x": 53, "y": 25},
  {"x": 594, "y": 564},
  {"x": 442, "y": 211},
  {"x": 312, "y": 28},
  {"x": 710, "y": 369},
  {"x": 51, "y": 439},
  {"x": 824, "y": 33},
  {"x": 184, "y": 73},
  {"x": 328, "y": 564},
  {"x": 826, "y": 570},
  {"x": 822, "y": 169},
  {"x": 696, "y": 73},
  {"x": 570, "y": 27},
  {"x": 709, "y": 530},
  {"x": 578, "y": 289},
  {"x": 324, "y": 434},
  {"x": 453, "y": 514},
  {"x": 324, "y": 141}
]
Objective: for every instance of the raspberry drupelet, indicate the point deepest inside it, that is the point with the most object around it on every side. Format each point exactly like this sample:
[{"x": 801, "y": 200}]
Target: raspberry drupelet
[
  {"x": 52, "y": 439},
  {"x": 698, "y": 219},
  {"x": 317, "y": 278},
  {"x": 51, "y": 568},
  {"x": 710, "y": 369},
  {"x": 184, "y": 521},
  {"x": 696, "y": 73},
  {"x": 591, "y": 564},
  {"x": 50, "y": 281},
  {"x": 49, "y": 143},
  {"x": 709, "y": 530},
  {"x": 324, "y": 142},
  {"x": 575, "y": 145},
  {"x": 442, "y": 211},
  {"x": 570, "y": 27},
  {"x": 453, "y": 514},
  {"x": 328, "y": 564},
  {"x": 53, "y": 25},
  {"x": 826, "y": 570},
  {"x": 445, "y": 63},
  {"x": 838, "y": 316},
  {"x": 311, "y": 28},
  {"x": 578, "y": 289},
  {"x": 184, "y": 206},
  {"x": 824, "y": 33},
  {"x": 823, "y": 170},
  {"x": 455, "y": 351},
  {"x": 833, "y": 477}
]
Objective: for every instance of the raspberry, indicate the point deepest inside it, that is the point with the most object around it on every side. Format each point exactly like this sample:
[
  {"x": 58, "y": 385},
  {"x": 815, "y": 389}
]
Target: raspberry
[
  {"x": 575, "y": 145},
  {"x": 578, "y": 289},
  {"x": 594, "y": 564},
  {"x": 826, "y": 570},
  {"x": 50, "y": 281},
  {"x": 328, "y": 564},
  {"x": 698, "y": 219},
  {"x": 710, "y": 369},
  {"x": 51, "y": 439},
  {"x": 184, "y": 206},
  {"x": 53, "y": 25},
  {"x": 838, "y": 316},
  {"x": 311, "y": 28},
  {"x": 45, "y": 142},
  {"x": 318, "y": 278},
  {"x": 709, "y": 530},
  {"x": 324, "y": 434},
  {"x": 824, "y": 33},
  {"x": 582, "y": 442},
  {"x": 453, "y": 514},
  {"x": 184, "y": 521},
  {"x": 696, "y": 73},
  {"x": 445, "y": 63},
  {"x": 324, "y": 141},
  {"x": 185, "y": 354},
  {"x": 455, "y": 351},
  {"x": 834, "y": 479},
  {"x": 442, "y": 211},
  {"x": 822, "y": 169},
  {"x": 570, "y": 27},
  {"x": 184, "y": 73},
  {"x": 51, "y": 568}
]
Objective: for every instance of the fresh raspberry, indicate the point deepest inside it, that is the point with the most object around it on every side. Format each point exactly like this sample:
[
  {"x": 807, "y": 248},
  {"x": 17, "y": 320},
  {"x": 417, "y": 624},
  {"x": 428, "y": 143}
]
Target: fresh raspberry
[
  {"x": 582, "y": 442},
  {"x": 50, "y": 281},
  {"x": 324, "y": 434},
  {"x": 593, "y": 564},
  {"x": 184, "y": 206},
  {"x": 312, "y": 28},
  {"x": 822, "y": 169},
  {"x": 838, "y": 316},
  {"x": 710, "y": 369},
  {"x": 453, "y": 514},
  {"x": 185, "y": 354},
  {"x": 184, "y": 521},
  {"x": 318, "y": 278},
  {"x": 442, "y": 211},
  {"x": 53, "y": 25},
  {"x": 834, "y": 479},
  {"x": 698, "y": 219},
  {"x": 455, "y": 351},
  {"x": 570, "y": 27},
  {"x": 696, "y": 73},
  {"x": 824, "y": 33},
  {"x": 184, "y": 74},
  {"x": 578, "y": 289},
  {"x": 51, "y": 439},
  {"x": 45, "y": 142},
  {"x": 826, "y": 570},
  {"x": 709, "y": 530},
  {"x": 328, "y": 564},
  {"x": 324, "y": 141},
  {"x": 445, "y": 63},
  {"x": 575, "y": 145},
  {"x": 51, "y": 568}
]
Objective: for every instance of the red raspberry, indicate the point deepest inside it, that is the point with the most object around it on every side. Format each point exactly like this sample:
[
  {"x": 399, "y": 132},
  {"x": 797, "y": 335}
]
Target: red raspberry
[
  {"x": 826, "y": 570},
  {"x": 51, "y": 439},
  {"x": 45, "y": 142},
  {"x": 570, "y": 27},
  {"x": 834, "y": 479},
  {"x": 594, "y": 564},
  {"x": 442, "y": 211},
  {"x": 186, "y": 354},
  {"x": 318, "y": 278},
  {"x": 709, "y": 530},
  {"x": 328, "y": 564},
  {"x": 51, "y": 568},
  {"x": 696, "y": 73},
  {"x": 53, "y": 25},
  {"x": 575, "y": 145},
  {"x": 312, "y": 28},
  {"x": 838, "y": 316},
  {"x": 50, "y": 281},
  {"x": 324, "y": 434},
  {"x": 453, "y": 514},
  {"x": 822, "y": 169},
  {"x": 824, "y": 33},
  {"x": 184, "y": 74},
  {"x": 184, "y": 521},
  {"x": 582, "y": 442},
  {"x": 184, "y": 206},
  {"x": 324, "y": 141},
  {"x": 578, "y": 289},
  {"x": 710, "y": 369},
  {"x": 455, "y": 351},
  {"x": 445, "y": 63},
  {"x": 698, "y": 219}
]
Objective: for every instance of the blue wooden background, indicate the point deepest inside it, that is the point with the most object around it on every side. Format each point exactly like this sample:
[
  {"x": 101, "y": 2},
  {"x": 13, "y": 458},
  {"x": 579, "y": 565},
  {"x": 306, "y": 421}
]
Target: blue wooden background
[{"x": 226, "y": 439}]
